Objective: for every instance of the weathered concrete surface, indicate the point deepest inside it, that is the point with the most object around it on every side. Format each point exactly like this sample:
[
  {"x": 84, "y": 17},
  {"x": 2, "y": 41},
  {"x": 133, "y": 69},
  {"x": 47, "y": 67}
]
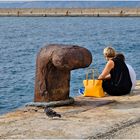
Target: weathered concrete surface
[
  {"x": 96, "y": 12},
  {"x": 87, "y": 118},
  {"x": 131, "y": 132}
]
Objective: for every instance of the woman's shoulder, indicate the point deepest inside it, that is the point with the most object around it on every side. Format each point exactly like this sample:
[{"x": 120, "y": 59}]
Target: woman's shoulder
[{"x": 110, "y": 63}]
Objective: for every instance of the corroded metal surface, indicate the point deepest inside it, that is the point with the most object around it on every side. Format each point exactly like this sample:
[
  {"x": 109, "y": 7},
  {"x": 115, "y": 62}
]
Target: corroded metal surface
[{"x": 53, "y": 65}]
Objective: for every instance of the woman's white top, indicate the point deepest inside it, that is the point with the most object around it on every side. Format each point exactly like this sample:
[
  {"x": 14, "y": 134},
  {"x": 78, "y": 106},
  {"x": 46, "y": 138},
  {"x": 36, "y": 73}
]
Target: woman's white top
[{"x": 132, "y": 76}]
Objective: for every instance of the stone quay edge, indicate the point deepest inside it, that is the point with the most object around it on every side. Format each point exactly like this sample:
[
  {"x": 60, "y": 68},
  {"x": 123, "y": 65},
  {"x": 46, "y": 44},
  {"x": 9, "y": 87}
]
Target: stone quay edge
[{"x": 56, "y": 12}]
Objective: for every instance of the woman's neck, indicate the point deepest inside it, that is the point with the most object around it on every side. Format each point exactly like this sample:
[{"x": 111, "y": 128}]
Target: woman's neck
[{"x": 109, "y": 58}]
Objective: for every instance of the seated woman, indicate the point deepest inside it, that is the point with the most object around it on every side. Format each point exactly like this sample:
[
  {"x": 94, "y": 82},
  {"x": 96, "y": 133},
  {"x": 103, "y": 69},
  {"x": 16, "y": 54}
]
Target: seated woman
[
  {"x": 115, "y": 76},
  {"x": 131, "y": 70}
]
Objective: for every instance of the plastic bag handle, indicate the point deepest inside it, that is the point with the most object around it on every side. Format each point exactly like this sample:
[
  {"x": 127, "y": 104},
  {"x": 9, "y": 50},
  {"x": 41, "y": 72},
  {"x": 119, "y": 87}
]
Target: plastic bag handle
[{"x": 93, "y": 71}]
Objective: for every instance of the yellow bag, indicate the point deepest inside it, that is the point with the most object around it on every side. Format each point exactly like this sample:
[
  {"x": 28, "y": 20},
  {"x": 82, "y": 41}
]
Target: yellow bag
[{"x": 93, "y": 87}]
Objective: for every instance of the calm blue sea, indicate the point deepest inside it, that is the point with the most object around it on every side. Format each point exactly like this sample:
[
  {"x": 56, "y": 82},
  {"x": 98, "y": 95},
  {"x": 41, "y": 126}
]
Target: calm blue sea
[{"x": 22, "y": 37}]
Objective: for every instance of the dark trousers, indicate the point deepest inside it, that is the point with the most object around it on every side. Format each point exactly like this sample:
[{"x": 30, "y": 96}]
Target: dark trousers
[{"x": 114, "y": 90}]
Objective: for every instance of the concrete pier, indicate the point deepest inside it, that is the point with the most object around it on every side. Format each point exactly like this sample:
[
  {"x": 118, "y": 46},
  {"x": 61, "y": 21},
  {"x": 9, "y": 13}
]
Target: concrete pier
[
  {"x": 93, "y": 12},
  {"x": 88, "y": 118}
]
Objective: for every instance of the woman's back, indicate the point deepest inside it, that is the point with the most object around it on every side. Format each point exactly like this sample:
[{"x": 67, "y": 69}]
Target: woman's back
[{"x": 120, "y": 78}]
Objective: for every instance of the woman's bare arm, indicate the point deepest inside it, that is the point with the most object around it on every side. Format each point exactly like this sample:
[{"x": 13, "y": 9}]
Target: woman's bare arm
[{"x": 107, "y": 69}]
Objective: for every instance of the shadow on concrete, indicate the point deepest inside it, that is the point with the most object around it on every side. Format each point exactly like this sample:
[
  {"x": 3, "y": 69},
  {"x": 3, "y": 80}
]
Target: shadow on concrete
[
  {"x": 126, "y": 105},
  {"x": 92, "y": 102}
]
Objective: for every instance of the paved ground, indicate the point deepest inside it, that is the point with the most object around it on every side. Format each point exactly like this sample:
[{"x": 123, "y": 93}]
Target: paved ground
[
  {"x": 88, "y": 117},
  {"x": 131, "y": 132}
]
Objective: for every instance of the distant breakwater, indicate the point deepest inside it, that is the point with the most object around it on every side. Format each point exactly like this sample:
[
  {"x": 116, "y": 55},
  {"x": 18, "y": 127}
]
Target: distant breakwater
[{"x": 95, "y": 12}]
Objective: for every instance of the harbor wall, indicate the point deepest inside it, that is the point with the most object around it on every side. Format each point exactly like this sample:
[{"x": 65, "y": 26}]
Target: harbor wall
[{"x": 97, "y": 12}]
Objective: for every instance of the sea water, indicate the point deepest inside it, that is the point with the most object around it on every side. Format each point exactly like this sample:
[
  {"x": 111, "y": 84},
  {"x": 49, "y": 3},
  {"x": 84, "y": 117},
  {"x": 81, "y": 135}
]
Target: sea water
[{"x": 21, "y": 38}]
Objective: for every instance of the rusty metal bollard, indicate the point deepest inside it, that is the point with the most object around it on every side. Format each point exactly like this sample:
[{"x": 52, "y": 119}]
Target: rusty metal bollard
[{"x": 53, "y": 66}]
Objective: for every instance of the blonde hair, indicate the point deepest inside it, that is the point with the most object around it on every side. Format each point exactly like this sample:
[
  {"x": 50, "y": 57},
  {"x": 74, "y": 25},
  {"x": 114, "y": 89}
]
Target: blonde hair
[{"x": 109, "y": 52}]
